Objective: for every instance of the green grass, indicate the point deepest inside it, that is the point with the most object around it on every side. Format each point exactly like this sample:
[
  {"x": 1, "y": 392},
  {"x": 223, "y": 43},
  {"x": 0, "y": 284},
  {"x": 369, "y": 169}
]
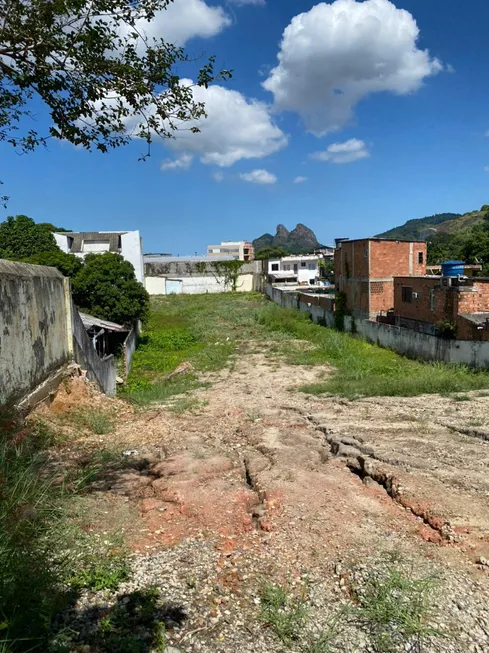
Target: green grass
[
  {"x": 101, "y": 569},
  {"x": 31, "y": 536},
  {"x": 395, "y": 607},
  {"x": 364, "y": 369},
  {"x": 95, "y": 420},
  {"x": 391, "y": 606},
  {"x": 45, "y": 560},
  {"x": 203, "y": 330},
  {"x": 209, "y": 331},
  {"x": 285, "y": 613}
]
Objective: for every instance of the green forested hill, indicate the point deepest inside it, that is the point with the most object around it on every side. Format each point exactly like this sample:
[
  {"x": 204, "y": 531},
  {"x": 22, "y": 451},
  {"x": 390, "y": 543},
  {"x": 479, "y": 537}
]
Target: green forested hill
[
  {"x": 419, "y": 228},
  {"x": 450, "y": 236}
]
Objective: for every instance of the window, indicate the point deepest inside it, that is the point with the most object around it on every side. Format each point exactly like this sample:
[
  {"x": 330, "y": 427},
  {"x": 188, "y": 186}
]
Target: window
[
  {"x": 287, "y": 267},
  {"x": 432, "y": 299},
  {"x": 407, "y": 294},
  {"x": 420, "y": 258},
  {"x": 274, "y": 267},
  {"x": 95, "y": 246},
  {"x": 303, "y": 264},
  {"x": 312, "y": 266}
]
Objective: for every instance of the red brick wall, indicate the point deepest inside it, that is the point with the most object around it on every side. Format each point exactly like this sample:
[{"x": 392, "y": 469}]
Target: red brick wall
[
  {"x": 448, "y": 303},
  {"x": 396, "y": 259},
  {"x": 364, "y": 270},
  {"x": 476, "y": 301},
  {"x": 420, "y": 307},
  {"x": 381, "y": 296}
]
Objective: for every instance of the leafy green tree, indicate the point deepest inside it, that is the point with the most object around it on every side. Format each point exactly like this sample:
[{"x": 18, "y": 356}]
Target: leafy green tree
[
  {"x": 94, "y": 68},
  {"x": 21, "y": 237},
  {"x": 67, "y": 264},
  {"x": 326, "y": 268},
  {"x": 106, "y": 287},
  {"x": 270, "y": 252}
]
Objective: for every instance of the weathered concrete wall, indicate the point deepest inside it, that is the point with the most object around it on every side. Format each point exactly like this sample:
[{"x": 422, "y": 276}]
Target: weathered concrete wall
[
  {"x": 404, "y": 341},
  {"x": 33, "y": 335},
  {"x": 195, "y": 284},
  {"x": 102, "y": 372}
]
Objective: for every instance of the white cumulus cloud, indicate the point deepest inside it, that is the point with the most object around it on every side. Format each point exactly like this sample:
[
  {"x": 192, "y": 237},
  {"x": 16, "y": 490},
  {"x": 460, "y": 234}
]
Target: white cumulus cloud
[
  {"x": 259, "y": 177},
  {"x": 346, "y": 152},
  {"x": 235, "y": 128},
  {"x": 183, "y": 20},
  {"x": 184, "y": 162},
  {"x": 336, "y": 54},
  {"x": 259, "y": 3},
  {"x": 300, "y": 180}
]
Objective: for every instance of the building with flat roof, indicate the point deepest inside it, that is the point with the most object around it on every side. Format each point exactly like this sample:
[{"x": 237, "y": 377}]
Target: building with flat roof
[
  {"x": 295, "y": 268},
  {"x": 430, "y": 304},
  {"x": 241, "y": 250},
  {"x": 128, "y": 244},
  {"x": 365, "y": 271}
]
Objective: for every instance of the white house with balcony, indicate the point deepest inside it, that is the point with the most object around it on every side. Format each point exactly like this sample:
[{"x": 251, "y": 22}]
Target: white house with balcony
[
  {"x": 301, "y": 269},
  {"x": 128, "y": 244}
]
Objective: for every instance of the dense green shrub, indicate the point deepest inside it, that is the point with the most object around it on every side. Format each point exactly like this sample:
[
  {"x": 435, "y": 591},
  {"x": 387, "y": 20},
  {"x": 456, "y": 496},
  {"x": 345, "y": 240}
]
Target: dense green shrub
[{"x": 106, "y": 287}]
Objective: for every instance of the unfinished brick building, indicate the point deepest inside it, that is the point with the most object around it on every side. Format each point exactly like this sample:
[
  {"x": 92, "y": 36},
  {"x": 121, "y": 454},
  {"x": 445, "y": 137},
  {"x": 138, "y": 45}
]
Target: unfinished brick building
[
  {"x": 365, "y": 271},
  {"x": 420, "y": 303}
]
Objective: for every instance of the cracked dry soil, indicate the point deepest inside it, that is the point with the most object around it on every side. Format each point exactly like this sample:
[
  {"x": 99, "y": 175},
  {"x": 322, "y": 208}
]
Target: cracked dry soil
[{"x": 262, "y": 483}]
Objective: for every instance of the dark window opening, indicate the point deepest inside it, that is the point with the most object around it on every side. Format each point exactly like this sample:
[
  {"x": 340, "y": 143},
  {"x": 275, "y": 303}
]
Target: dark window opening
[
  {"x": 274, "y": 267},
  {"x": 303, "y": 264},
  {"x": 420, "y": 258},
  {"x": 407, "y": 294}
]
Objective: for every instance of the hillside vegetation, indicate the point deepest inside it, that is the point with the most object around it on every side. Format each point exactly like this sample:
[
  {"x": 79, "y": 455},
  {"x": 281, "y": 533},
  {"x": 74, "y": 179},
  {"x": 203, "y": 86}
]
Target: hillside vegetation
[
  {"x": 450, "y": 236},
  {"x": 420, "y": 228}
]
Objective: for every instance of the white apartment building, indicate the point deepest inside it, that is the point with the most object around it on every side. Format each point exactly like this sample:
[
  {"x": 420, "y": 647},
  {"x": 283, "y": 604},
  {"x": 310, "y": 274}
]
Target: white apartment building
[
  {"x": 304, "y": 269},
  {"x": 128, "y": 244},
  {"x": 241, "y": 250}
]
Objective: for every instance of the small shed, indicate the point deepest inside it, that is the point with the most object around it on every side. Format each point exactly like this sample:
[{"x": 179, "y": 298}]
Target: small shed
[{"x": 107, "y": 337}]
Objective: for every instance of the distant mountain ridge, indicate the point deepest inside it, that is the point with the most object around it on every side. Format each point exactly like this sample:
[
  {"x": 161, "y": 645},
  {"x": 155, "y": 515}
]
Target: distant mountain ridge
[{"x": 299, "y": 240}]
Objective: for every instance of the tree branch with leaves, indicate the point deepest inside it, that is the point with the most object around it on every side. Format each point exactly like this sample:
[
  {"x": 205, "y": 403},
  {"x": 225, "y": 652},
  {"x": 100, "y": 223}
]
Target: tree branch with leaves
[{"x": 93, "y": 66}]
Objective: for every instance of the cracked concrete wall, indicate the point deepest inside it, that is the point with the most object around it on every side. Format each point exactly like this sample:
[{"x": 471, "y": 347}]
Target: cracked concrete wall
[{"x": 34, "y": 336}]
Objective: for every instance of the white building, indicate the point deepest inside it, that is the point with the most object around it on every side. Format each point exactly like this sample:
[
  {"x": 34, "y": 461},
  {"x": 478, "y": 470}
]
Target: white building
[
  {"x": 128, "y": 244},
  {"x": 304, "y": 269}
]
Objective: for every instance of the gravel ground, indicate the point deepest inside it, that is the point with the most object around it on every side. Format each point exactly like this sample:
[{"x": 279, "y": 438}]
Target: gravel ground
[{"x": 260, "y": 484}]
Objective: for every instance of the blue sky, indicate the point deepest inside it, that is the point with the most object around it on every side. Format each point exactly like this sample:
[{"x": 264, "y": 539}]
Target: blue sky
[{"x": 381, "y": 130}]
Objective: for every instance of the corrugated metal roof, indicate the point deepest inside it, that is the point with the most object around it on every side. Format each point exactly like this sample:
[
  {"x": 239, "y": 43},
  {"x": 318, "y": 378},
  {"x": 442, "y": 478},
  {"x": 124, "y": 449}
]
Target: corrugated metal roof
[{"x": 90, "y": 321}]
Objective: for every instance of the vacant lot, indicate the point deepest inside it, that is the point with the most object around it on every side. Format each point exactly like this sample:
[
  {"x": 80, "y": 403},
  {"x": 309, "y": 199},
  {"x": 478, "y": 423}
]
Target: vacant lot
[{"x": 292, "y": 489}]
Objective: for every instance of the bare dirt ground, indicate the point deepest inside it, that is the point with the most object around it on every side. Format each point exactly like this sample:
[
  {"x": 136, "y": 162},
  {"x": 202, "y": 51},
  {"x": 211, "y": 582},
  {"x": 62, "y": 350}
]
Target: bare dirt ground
[{"x": 263, "y": 483}]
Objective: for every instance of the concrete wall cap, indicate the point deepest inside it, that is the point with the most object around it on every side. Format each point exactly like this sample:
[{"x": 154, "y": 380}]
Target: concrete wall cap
[{"x": 27, "y": 270}]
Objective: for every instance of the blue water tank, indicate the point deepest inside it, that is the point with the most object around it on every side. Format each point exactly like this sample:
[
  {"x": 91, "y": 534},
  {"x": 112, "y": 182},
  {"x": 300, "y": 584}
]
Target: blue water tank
[{"x": 452, "y": 268}]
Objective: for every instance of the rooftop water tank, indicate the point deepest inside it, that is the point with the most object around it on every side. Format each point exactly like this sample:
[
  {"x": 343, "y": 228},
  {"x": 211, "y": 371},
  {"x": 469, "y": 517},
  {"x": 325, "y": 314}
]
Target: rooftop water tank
[{"x": 452, "y": 268}]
